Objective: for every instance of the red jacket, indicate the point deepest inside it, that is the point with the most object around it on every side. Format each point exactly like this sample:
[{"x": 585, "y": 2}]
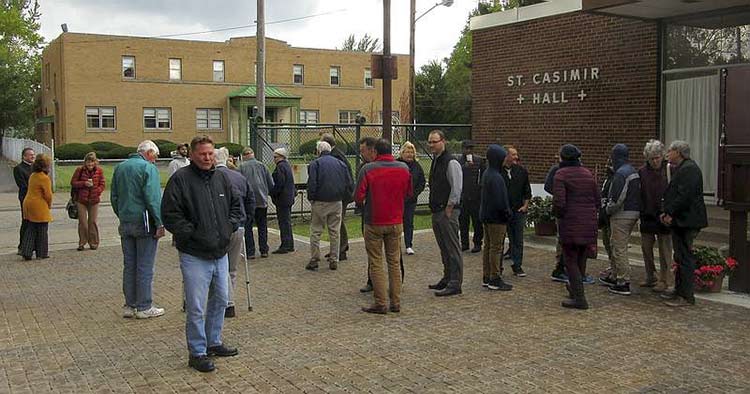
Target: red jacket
[
  {"x": 382, "y": 187},
  {"x": 84, "y": 194}
]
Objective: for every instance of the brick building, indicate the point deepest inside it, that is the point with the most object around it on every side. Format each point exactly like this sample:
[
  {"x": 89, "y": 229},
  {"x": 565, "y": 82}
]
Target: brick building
[
  {"x": 599, "y": 72},
  {"x": 127, "y": 89}
]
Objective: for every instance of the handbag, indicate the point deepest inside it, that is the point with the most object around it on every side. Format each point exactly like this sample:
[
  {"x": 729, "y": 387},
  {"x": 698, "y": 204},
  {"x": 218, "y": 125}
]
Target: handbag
[{"x": 72, "y": 205}]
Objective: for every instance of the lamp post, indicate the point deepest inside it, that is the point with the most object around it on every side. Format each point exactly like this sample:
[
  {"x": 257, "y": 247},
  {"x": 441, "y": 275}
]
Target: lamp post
[{"x": 412, "y": 24}]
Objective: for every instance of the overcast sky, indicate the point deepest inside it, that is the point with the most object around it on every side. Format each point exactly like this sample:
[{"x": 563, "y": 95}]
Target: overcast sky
[{"x": 437, "y": 32}]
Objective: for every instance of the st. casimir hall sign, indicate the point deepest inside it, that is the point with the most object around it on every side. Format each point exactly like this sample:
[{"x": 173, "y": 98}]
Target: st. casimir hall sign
[{"x": 550, "y": 79}]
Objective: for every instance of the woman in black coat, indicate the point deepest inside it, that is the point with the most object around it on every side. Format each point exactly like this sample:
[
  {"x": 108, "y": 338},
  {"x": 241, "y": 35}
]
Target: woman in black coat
[{"x": 408, "y": 155}]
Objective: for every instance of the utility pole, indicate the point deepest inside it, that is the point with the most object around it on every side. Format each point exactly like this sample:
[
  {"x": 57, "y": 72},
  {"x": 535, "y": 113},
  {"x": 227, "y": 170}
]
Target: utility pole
[
  {"x": 260, "y": 44},
  {"x": 387, "y": 75},
  {"x": 412, "y": 86}
]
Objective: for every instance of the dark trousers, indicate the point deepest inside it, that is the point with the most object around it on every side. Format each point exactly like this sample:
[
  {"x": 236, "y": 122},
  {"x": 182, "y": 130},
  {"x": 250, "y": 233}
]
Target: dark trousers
[
  {"x": 24, "y": 224},
  {"x": 516, "y": 225},
  {"x": 409, "y": 208},
  {"x": 260, "y": 219},
  {"x": 682, "y": 242},
  {"x": 470, "y": 212},
  {"x": 35, "y": 239},
  {"x": 574, "y": 257},
  {"x": 446, "y": 236},
  {"x": 343, "y": 235},
  {"x": 284, "y": 215}
]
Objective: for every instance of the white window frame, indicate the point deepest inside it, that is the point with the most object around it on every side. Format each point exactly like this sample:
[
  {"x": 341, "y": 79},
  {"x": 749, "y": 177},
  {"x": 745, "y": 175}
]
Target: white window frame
[
  {"x": 351, "y": 115},
  {"x": 175, "y": 69},
  {"x": 301, "y": 68},
  {"x": 368, "y": 76},
  {"x": 218, "y": 73},
  {"x": 157, "y": 113},
  {"x": 124, "y": 57},
  {"x": 207, "y": 118},
  {"x": 101, "y": 114},
  {"x": 304, "y": 115},
  {"x": 337, "y": 75}
]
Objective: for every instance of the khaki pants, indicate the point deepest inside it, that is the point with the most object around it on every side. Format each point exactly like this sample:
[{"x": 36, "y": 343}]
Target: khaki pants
[
  {"x": 88, "y": 231},
  {"x": 621, "y": 229},
  {"x": 234, "y": 255},
  {"x": 325, "y": 214},
  {"x": 494, "y": 239},
  {"x": 665, "y": 256},
  {"x": 377, "y": 237}
]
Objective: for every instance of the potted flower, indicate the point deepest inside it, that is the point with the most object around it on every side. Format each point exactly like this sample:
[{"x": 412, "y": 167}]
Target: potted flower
[
  {"x": 711, "y": 268},
  {"x": 540, "y": 215}
]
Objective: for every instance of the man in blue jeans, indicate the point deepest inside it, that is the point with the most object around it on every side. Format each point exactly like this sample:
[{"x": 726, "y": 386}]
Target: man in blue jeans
[
  {"x": 519, "y": 194},
  {"x": 202, "y": 211},
  {"x": 136, "y": 197}
]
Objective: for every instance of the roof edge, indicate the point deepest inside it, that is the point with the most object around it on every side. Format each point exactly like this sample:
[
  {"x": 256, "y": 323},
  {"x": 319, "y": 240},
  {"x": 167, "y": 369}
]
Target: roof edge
[{"x": 527, "y": 13}]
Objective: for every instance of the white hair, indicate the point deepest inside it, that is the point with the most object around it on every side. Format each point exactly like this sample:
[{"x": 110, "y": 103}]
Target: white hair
[
  {"x": 147, "y": 146},
  {"x": 653, "y": 148},
  {"x": 221, "y": 155},
  {"x": 681, "y": 147},
  {"x": 323, "y": 146}
]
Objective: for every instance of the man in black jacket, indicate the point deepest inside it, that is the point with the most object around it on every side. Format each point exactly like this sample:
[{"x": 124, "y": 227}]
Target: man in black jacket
[
  {"x": 282, "y": 194},
  {"x": 21, "y": 174},
  {"x": 472, "y": 167},
  {"x": 685, "y": 213},
  {"x": 519, "y": 194},
  {"x": 343, "y": 235},
  {"x": 201, "y": 210}
]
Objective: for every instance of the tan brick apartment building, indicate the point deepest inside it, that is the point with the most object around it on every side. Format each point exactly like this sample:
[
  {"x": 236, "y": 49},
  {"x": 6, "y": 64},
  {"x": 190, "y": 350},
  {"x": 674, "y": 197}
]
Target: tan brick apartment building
[{"x": 127, "y": 89}]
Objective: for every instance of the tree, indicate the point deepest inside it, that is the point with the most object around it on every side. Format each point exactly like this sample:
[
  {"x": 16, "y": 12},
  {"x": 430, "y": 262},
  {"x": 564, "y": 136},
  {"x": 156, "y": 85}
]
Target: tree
[
  {"x": 365, "y": 44},
  {"x": 429, "y": 87},
  {"x": 20, "y": 69}
]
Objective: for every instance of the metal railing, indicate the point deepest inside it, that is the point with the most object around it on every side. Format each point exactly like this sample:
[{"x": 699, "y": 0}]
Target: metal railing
[{"x": 13, "y": 149}]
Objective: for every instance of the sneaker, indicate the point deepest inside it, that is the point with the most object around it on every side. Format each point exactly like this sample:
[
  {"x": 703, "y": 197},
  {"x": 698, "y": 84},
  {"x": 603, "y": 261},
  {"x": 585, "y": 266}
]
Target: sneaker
[
  {"x": 312, "y": 265},
  {"x": 498, "y": 284},
  {"x": 621, "y": 289},
  {"x": 607, "y": 281},
  {"x": 333, "y": 265},
  {"x": 588, "y": 280},
  {"x": 485, "y": 282},
  {"x": 201, "y": 363},
  {"x": 128, "y": 312},
  {"x": 149, "y": 313},
  {"x": 648, "y": 283},
  {"x": 409, "y": 251},
  {"x": 680, "y": 302},
  {"x": 518, "y": 271},
  {"x": 559, "y": 277},
  {"x": 660, "y": 287},
  {"x": 229, "y": 312},
  {"x": 222, "y": 351}
]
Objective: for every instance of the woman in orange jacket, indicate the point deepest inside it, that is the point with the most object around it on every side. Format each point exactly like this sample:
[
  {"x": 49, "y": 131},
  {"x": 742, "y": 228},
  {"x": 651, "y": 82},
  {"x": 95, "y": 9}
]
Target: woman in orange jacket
[
  {"x": 88, "y": 184},
  {"x": 37, "y": 209}
]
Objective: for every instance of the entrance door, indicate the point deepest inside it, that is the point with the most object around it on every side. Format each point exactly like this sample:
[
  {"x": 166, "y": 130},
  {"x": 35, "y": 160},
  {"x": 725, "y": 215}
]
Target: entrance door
[{"x": 691, "y": 114}]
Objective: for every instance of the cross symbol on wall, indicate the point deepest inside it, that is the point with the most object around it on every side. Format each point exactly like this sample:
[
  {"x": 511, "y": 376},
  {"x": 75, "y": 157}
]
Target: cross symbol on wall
[
  {"x": 582, "y": 95},
  {"x": 520, "y": 99}
]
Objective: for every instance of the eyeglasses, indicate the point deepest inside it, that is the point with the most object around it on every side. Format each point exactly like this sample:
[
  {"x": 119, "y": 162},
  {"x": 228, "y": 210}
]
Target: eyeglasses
[{"x": 434, "y": 142}]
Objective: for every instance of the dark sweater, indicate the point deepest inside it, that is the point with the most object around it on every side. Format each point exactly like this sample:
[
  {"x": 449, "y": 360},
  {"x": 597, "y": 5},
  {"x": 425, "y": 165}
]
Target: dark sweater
[
  {"x": 519, "y": 190},
  {"x": 494, "y": 207}
]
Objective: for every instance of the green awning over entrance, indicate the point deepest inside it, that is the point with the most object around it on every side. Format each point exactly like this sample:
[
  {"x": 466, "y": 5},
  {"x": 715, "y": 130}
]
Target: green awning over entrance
[
  {"x": 45, "y": 119},
  {"x": 252, "y": 91}
]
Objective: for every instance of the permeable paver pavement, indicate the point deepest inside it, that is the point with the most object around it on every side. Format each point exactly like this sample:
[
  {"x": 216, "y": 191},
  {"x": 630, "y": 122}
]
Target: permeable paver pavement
[{"x": 61, "y": 330}]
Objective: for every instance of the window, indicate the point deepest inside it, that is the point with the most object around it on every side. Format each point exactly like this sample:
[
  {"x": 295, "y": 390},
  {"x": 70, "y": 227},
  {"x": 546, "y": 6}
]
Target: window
[
  {"x": 208, "y": 119},
  {"x": 100, "y": 118},
  {"x": 298, "y": 74},
  {"x": 368, "y": 78},
  {"x": 308, "y": 116},
  {"x": 175, "y": 69},
  {"x": 157, "y": 118},
  {"x": 335, "y": 73},
  {"x": 128, "y": 67},
  {"x": 218, "y": 71},
  {"x": 348, "y": 116}
]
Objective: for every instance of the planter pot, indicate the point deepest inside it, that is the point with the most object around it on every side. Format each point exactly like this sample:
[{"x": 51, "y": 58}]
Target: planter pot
[
  {"x": 716, "y": 287},
  {"x": 545, "y": 228}
]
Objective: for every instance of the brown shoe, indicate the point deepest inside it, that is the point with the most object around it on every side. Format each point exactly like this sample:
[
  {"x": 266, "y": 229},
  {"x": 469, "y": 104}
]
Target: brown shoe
[
  {"x": 679, "y": 302},
  {"x": 377, "y": 309},
  {"x": 395, "y": 308},
  {"x": 649, "y": 283},
  {"x": 660, "y": 287}
]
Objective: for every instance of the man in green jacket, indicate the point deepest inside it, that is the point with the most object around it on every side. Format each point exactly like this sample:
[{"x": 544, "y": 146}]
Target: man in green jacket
[{"x": 136, "y": 200}]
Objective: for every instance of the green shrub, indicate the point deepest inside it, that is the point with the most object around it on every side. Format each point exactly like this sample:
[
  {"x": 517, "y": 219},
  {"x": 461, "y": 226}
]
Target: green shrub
[
  {"x": 121, "y": 152},
  {"x": 165, "y": 147},
  {"x": 308, "y": 147},
  {"x": 72, "y": 151},
  {"x": 234, "y": 149},
  {"x": 104, "y": 146}
]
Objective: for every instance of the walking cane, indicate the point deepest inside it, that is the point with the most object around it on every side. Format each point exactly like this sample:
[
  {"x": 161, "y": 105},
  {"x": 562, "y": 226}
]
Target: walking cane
[{"x": 247, "y": 271}]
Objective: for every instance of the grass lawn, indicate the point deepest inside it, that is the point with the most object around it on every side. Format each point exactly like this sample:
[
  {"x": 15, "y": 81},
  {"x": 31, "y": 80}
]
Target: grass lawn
[
  {"x": 302, "y": 227},
  {"x": 65, "y": 172}
]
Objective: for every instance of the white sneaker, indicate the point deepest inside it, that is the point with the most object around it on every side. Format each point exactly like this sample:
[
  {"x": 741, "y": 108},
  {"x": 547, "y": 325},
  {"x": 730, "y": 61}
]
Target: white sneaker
[
  {"x": 409, "y": 251},
  {"x": 128, "y": 312},
  {"x": 149, "y": 313}
]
